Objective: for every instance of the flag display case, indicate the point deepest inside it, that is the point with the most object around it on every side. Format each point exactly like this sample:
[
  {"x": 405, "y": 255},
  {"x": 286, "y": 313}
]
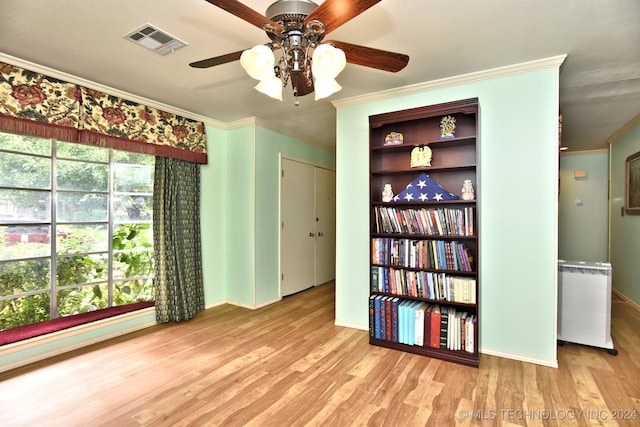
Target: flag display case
[{"x": 424, "y": 234}]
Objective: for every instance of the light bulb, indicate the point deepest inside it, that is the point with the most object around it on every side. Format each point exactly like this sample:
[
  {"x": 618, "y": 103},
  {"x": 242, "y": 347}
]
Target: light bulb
[
  {"x": 271, "y": 86},
  {"x": 258, "y": 62},
  {"x": 325, "y": 87},
  {"x": 327, "y": 62}
]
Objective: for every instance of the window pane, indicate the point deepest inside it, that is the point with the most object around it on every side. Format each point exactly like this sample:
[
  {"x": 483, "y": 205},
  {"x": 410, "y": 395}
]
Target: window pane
[
  {"x": 24, "y": 206},
  {"x": 133, "y": 251},
  {"x": 81, "y": 269},
  {"x": 133, "y": 291},
  {"x": 82, "y": 299},
  {"x": 133, "y": 208},
  {"x": 20, "y": 170},
  {"x": 24, "y": 276},
  {"x": 79, "y": 207},
  {"x": 25, "y": 144},
  {"x": 82, "y": 176},
  {"x": 82, "y": 238},
  {"x": 24, "y": 310},
  {"x": 24, "y": 241},
  {"x": 133, "y": 158},
  {"x": 71, "y": 150},
  {"x": 133, "y": 178}
]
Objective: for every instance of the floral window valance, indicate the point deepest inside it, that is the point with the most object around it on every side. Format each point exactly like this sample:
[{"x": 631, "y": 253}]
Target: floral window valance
[{"x": 38, "y": 105}]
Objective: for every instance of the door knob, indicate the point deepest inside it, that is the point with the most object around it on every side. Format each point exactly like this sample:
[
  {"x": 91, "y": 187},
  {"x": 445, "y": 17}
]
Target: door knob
[
  {"x": 320, "y": 234},
  {"x": 311, "y": 234}
]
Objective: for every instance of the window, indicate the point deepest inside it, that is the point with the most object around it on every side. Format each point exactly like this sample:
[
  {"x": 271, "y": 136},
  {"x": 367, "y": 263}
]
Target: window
[{"x": 97, "y": 202}]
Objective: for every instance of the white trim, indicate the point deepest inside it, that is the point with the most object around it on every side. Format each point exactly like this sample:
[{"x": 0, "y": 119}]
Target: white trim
[
  {"x": 107, "y": 89},
  {"x": 351, "y": 325},
  {"x": 626, "y": 299},
  {"x": 57, "y": 337},
  {"x": 500, "y": 72},
  {"x": 255, "y": 121},
  {"x": 597, "y": 151},
  {"x": 520, "y": 357}
]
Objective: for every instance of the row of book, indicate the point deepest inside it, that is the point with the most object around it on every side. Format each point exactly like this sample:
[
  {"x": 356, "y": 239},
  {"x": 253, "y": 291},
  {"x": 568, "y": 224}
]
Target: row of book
[
  {"x": 423, "y": 284},
  {"x": 418, "y": 323},
  {"x": 435, "y": 254},
  {"x": 431, "y": 221}
]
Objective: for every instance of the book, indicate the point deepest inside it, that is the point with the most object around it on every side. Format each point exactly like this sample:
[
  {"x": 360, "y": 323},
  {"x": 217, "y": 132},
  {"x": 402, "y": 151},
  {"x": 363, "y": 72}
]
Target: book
[
  {"x": 389, "y": 319},
  {"x": 377, "y": 321},
  {"x": 419, "y": 324},
  {"x": 395, "y": 304},
  {"x": 435, "y": 327},
  {"x": 444, "y": 327},
  {"x": 383, "y": 318},
  {"x": 372, "y": 311}
]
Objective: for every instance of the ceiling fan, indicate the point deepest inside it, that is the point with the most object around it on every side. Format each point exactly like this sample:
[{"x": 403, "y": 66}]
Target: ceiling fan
[{"x": 297, "y": 29}]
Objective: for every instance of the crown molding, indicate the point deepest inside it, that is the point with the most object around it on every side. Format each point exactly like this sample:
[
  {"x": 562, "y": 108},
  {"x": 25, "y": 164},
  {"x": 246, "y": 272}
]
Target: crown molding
[
  {"x": 624, "y": 129},
  {"x": 255, "y": 121},
  {"x": 582, "y": 152},
  {"x": 56, "y": 74},
  {"x": 509, "y": 70}
]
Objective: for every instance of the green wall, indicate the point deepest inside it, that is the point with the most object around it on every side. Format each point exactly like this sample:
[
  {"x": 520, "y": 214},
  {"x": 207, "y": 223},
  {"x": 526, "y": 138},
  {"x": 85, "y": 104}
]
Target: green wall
[
  {"x": 214, "y": 214},
  {"x": 624, "y": 230},
  {"x": 241, "y": 209},
  {"x": 518, "y": 205},
  {"x": 583, "y": 215}
]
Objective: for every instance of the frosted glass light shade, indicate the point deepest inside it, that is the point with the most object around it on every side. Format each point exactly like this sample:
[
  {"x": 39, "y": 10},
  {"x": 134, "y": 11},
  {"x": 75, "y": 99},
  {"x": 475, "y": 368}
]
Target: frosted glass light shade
[
  {"x": 325, "y": 87},
  {"x": 327, "y": 62},
  {"x": 258, "y": 62},
  {"x": 271, "y": 86}
]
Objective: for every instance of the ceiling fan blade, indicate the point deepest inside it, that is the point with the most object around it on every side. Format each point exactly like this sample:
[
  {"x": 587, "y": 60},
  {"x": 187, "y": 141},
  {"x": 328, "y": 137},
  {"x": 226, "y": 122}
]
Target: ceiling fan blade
[
  {"x": 218, "y": 60},
  {"x": 373, "y": 58},
  {"x": 334, "y": 13},
  {"x": 246, "y": 13}
]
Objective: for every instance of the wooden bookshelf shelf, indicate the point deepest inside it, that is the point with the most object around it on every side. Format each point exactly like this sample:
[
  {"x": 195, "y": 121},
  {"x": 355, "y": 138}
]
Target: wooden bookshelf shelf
[{"x": 424, "y": 246}]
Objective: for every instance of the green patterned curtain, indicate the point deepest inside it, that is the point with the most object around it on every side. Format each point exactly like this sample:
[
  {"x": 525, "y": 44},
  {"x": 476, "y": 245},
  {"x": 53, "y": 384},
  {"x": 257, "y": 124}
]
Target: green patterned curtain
[{"x": 176, "y": 232}]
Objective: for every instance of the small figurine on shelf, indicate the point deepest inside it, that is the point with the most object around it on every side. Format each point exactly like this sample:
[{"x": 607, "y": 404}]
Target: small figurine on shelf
[
  {"x": 467, "y": 190},
  {"x": 387, "y": 193},
  {"x": 447, "y": 127},
  {"x": 420, "y": 157},
  {"x": 394, "y": 138}
]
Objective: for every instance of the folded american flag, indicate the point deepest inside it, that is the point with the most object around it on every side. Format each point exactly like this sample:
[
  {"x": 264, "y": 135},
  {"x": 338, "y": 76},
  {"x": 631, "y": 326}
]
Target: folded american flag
[{"x": 424, "y": 189}]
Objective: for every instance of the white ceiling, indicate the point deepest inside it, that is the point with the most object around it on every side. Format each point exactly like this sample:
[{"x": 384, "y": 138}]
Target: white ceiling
[{"x": 599, "y": 82}]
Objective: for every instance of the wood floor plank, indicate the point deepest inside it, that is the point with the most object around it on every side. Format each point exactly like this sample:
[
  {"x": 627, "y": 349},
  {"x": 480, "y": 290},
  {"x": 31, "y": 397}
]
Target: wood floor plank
[{"x": 288, "y": 364}]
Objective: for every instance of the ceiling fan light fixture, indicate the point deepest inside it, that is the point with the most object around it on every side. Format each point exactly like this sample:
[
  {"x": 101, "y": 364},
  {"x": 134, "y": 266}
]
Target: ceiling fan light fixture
[
  {"x": 271, "y": 86},
  {"x": 325, "y": 87},
  {"x": 328, "y": 61},
  {"x": 258, "y": 62}
]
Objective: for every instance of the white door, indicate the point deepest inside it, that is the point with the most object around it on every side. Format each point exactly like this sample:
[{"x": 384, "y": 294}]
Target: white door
[
  {"x": 297, "y": 245},
  {"x": 325, "y": 225}
]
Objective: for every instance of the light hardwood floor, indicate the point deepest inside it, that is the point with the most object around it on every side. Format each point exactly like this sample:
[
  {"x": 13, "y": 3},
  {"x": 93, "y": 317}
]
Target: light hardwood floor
[{"x": 289, "y": 365}]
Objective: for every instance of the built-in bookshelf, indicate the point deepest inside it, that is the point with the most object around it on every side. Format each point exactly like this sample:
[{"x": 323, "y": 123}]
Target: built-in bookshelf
[{"x": 424, "y": 286}]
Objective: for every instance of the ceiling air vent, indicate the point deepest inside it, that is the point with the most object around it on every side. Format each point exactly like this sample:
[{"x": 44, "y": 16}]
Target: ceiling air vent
[{"x": 155, "y": 39}]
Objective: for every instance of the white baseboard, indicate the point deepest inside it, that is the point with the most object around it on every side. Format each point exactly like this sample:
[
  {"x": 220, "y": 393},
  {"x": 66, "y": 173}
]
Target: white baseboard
[
  {"x": 520, "y": 357},
  {"x": 62, "y": 341}
]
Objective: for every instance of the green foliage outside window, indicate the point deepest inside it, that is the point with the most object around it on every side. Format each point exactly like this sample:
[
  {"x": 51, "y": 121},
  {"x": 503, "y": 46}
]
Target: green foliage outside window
[{"x": 133, "y": 259}]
